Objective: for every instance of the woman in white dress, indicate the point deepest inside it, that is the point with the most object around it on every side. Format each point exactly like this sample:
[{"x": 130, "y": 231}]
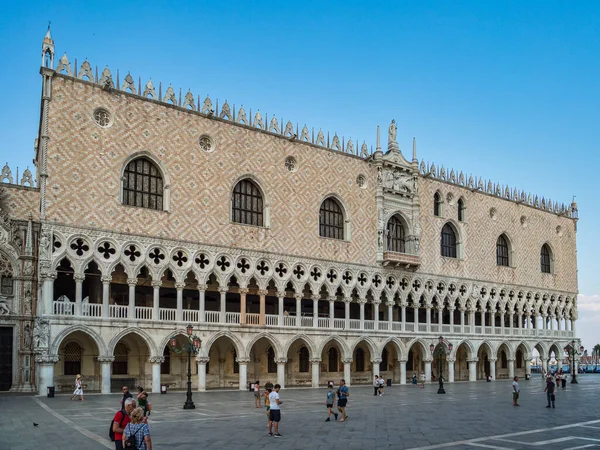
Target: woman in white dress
[{"x": 78, "y": 388}]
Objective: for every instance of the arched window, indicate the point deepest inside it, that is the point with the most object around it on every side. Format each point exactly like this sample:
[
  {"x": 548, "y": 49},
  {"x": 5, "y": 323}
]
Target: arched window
[
  {"x": 461, "y": 209},
  {"x": 247, "y": 204},
  {"x": 448, "y": 241},
  {"x": 504, "y": 361},
  {"x": 73, "y": 353},
  {"x": 395, "y": 235},
  {"x": 384, "y": 360},
  {"x": 143, "y": 184},
  {"x": 545, "y": 259},
  {"x": 502, "y": 251},
  {"x": 303, "y": 359},
  {"x": 271, "y": 364},
  {"x": 236, "y": 365},
  {"x": 331, "y": 219},
  {"x": 359, "y": 357},
  {"x": 437, "y": 204},
  {"x": 332, "y": 359},
  {"x": 6, "y": 286},
  {"x": 165, "y": 366},
  {"x": 120, "y": 362}
]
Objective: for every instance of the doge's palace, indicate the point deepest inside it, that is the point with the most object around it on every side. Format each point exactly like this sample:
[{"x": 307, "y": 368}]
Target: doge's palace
[{"x": 296, "y": 255}]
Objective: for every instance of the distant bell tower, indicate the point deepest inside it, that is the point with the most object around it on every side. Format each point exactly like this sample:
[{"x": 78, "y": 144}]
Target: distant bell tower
[{"x": 48, "y": 50}]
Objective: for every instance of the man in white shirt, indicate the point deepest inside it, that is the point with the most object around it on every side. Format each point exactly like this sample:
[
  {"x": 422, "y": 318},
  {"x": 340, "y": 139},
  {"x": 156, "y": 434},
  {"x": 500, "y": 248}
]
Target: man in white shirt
[{"x": 275, "y": 411}]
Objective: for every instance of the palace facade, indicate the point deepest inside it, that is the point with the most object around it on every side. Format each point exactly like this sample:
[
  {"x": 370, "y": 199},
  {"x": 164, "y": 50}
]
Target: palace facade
[{"x": 297, "y": 256}]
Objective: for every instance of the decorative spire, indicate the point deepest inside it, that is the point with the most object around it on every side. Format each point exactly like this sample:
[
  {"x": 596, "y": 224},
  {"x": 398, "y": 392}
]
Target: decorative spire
[
  {"x": 48, "y": 50},
  {"x": 415, "y": 149},
  {"x": 378, "y": 148}
]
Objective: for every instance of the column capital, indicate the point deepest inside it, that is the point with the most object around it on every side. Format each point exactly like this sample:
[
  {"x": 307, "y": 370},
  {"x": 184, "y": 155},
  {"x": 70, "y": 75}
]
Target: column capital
[
  {"x": 510, "y": 360},
  {"x": 315, "y": 360},
  {"x": 281, "y": 360},
  {"x": 243, "y": 291},
  {"x": 402, "y": 360},
  {"x": 132, "y": 281},
  {"x": 105, "y": 359},
  {"x": 156, "y": 284},
  {"x": 156, "y": 359},
  {"x": 262, "y": 292},
  {"x": 315, "y": 297},
  {"x": 281, "y": 294},
  {"x": 298, "y": 296},
  {"x": 202, "y": 359},
  {"x": 202, "y": 287},
  {"x": 331, "y": 299},
  {"x": 346, "y": 360},
  {"x": 362, "y": 300},
  {"x": 106, "y": 279},
  {"x": 473, "y": 360},
  {"x": 347, "y": 299},
  {"x": 79, "y": 277},
  {"x": 376, "y": 361},
  {"x": 451, "y": 360},
  {"x": 242, "y": 360},
  {"x": 44, "y": 359},
  {"x": 180, "y": 286},
  {"x": 493, "y": 360},
  {"x": 390, "y": 304},
  {"x": 224, "y": 289}
]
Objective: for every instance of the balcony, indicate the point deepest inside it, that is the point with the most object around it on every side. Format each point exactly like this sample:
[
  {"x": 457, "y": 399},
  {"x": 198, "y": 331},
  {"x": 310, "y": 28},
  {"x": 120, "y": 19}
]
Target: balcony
[{"x": 404, "y": 260}]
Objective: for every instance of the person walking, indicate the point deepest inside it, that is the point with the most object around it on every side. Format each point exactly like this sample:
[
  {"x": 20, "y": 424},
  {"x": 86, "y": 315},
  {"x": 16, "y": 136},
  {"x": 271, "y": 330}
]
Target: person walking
[
  {"x": 275, "y": 404},
  {"x": 137, "y": 430},
  {"x": 268, "y": 391},
  {"x": 330, "y": 402},
  {"x": 549, "y": 390},
  {"x": 126, "y": 395},
  {"x": 375, "y": 384},
  {"x": 142, "y": 401},
  {"x": 343, "y": 395},
  {"x": 257, "y": 394},
  {"x": 516, "y": 390},
  {"x": 380, "y": 385},
  {"x": 413, "y": 380},
  {"x": 422, "y": 380},
  {"x": 78, "y": 388}
]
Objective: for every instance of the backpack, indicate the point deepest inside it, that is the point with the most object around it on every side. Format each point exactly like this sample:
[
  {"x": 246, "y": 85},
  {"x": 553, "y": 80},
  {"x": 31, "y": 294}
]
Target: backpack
[
  {"x": 131, "y": 442},
  {"x": 111, "y": 433}
]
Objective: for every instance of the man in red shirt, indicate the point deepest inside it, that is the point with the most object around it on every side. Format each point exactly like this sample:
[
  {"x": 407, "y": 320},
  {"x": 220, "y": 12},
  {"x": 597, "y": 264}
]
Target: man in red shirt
[{"x": 120, "y": 422}]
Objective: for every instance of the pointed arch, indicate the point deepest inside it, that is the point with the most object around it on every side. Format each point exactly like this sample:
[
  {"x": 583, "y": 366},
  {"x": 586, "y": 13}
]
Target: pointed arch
[
  {"x": 102, "y": 349},
  {"x": 141, "y": 333},
  {"x": 239, "y": 346},
  {"x": 397, "y": 343},
  {"x": 471, "y": 352},
  {"x": 307, "y": 341},
  {"x": 165, "y": 342},
  {"x": 346, "y": 353},
  {"x": 487, "y": 345},
  {"x": 249, "y": 204},
  {"x": 510, "y": 354},
  {"x": 269, "y": 338},
  {"x": 372, "y": 346},
  {"x": 423, "y": 346}
]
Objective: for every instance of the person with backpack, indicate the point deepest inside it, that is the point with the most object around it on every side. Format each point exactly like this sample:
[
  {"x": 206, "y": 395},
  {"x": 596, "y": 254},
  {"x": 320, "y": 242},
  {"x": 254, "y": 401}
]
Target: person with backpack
[
  {"x": 343, "y": 395},
  {"x": 549, "y": 390},
  {"x": 119, "y": 423},
  {"x": 136, "y": 435},
  {"x": 330, "y": 403}
]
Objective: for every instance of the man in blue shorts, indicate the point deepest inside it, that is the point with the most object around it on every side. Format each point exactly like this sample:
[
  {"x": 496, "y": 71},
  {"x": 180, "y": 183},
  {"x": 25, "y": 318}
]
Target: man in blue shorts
[{"x": 343, "y": 395}]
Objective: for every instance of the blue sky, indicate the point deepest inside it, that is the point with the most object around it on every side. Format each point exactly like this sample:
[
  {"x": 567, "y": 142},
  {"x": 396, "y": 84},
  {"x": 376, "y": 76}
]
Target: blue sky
[{"x": 506, "y": 90}]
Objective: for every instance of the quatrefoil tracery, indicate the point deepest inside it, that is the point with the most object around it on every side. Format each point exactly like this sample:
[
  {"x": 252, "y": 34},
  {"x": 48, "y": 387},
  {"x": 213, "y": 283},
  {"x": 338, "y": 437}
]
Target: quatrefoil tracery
[{"x": 79, "y": 246}]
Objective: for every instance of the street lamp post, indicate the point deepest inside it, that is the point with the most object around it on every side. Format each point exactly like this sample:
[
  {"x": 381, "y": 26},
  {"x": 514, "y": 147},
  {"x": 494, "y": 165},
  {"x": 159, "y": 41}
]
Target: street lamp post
[
  {"x": 571, "y": 351},
  {"x": 191, "y": 347},
  {"x": 441, "y": 351}
]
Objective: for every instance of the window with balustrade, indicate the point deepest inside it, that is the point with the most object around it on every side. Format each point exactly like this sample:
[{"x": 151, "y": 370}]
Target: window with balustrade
[
  {"x": 449, "y": 242},
  {"x": 502, "y": 251},
  {"x": 72, "y": 359},
  {"x": 303, "y": 362},
  {"x": 359, "y": 360},
  {"x": 247, "y": 205},
  {"x": 395, "y": 235},
  {"x": 331, "y": 219},
  {"x": 143, "y": 184},
  {"x": 120, "y": 365},
  {"x": 546, "y": 259},
  {"x": 332, "y": 359}
]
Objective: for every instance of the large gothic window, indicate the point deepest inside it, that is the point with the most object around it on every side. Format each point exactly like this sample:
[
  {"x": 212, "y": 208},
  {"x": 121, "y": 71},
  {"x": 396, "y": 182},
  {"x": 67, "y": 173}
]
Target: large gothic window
[
  {"x": 437, "y": 204},
  {"x": 271, "y": 364},
  {"x": 120, "y": 362},
  {"x": 143, "y": 184},
  {"x": 359, "y": 357},
  {"x": 545, "y": 259},
  {"x": 331, "y": 219},
  {"x": 395, "y": 235},
  {"x": 502, "y": 251},
  {"x": 6, "y": 284},
  {"x": 448, "y": 240},
  {"x": 303, "y": 359},
  {"x": 332, "y": 359},
  {"x": 247, "y": 204},
  {"x": 72, "y": 362}
]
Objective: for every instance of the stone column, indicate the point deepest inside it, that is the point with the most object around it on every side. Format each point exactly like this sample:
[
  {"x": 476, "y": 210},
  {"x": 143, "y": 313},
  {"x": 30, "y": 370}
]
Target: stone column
[
  {"x": 376, "y": 369},
  {"x": 416, "y": 314},
  {"x": 402, "y": 371},
  {"x": 451, "y": 311},
  {"x": 482, "y": 321},
  {"x": 315, "y": 299},
  {"x": 280, "y": 297},
  {"x": 281, "y": 371},
  {"x": 45, "y": 365},
  {"x": 298, "y": 298},
  {"x": 243, "y": 365},
  {"x": 362, "y": 302},
  {"x": 472, "y": 321},
  {"x": 105, "y": 362},
  {"x": 544, "y": 322},
  {"x": 428, "y": 370},
  {"x": 106, "y": 296},
  {"x": 179, "y": 313},
  {"x": 131, "y": 309},
  {"x": 347, "y": 301},
  {"x": 511, "y": 368},
  {"x": 79, "y": 277},
  {"x": 428, "y": 317},
  {"x": 390, "y": 314},
  {"x": 462, "y": 319},
  {"x": 519, "y": 321},
  {"x": 403, "y": 317},
  {"x": 156, "y": 299},
  {"x": 347, "y": 366},
  {"x": 440, "y": 316},
  {"x": 552, "y": 318},
  {"x": 223, "y": 304},
  {"x": 262, "y": 293},
  {"x": 201, "y": 362},
  {"x": 156, "y": 362},
  {"x": 451, "y": 362},
  {"x": 331, "y": 312},
  {"x": 545, "y": 364},
  {"x": 376, "y": 315},
  {"x": 472, "y": 368},
  {"x": 201, "y": 303},
  {"x": 48, "y": 294},
  {"x": 493, "y": 368},
  {"x": 316, "y": 370},
  {"x": 243, "y": 292},
  {"x": 573, "y": 328}
]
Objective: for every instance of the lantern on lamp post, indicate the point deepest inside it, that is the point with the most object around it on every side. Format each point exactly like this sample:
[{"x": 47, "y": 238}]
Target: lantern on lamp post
[
  {"x": 443, "y": 349},
  {"x": 571, "y": 351},
  {"x": 191, "y": 347}
]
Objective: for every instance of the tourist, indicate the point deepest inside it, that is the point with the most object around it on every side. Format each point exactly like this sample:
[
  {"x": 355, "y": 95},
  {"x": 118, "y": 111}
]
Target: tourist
[
  {"x": 330, "y": 402},
  {"x": 142, "y": 401},
  {"x": 549, "y": 390},
  {"x": 516, "y": 390},
  {"x": 268, "y": 391},
  {"x": 257, "y": 394},
  {"x": 343, "y": 395},
  {"x": 126, "y": 395},
  {"x": 78, "y": 388},
  {"x": 275, "y": 403},
  {"x": 138, "y": 430},
  {"x": 413, "y": 380},
  {"x": 375, "y": 384},
  {"x": 380, "y": 385},
  {"x": 422, "y": 380},
  {"x": 268, "y": 385},
  {"x": 121, "y": 420}
]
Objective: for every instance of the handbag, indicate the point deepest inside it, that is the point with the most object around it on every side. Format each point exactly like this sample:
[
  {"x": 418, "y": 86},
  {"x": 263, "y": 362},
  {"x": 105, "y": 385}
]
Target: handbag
[
  {"x": 131, "y": 442},
  {"x": 553, "y": 398}
]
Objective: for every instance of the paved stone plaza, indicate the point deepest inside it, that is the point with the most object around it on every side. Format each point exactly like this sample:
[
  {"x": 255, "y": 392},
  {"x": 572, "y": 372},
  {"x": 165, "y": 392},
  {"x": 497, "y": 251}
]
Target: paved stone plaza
[{"x": 470, "y": 415}]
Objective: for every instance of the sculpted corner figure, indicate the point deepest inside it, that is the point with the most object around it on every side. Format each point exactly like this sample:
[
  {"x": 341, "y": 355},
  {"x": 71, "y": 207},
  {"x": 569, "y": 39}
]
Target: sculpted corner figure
[{"x": 392, "y": 131}]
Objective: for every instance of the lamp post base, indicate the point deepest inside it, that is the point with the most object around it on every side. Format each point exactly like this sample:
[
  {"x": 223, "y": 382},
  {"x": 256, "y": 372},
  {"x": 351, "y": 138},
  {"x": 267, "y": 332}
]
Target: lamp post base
[
  {"x": 189, "y": 405},
  {"x": 574, "y": 381}
]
